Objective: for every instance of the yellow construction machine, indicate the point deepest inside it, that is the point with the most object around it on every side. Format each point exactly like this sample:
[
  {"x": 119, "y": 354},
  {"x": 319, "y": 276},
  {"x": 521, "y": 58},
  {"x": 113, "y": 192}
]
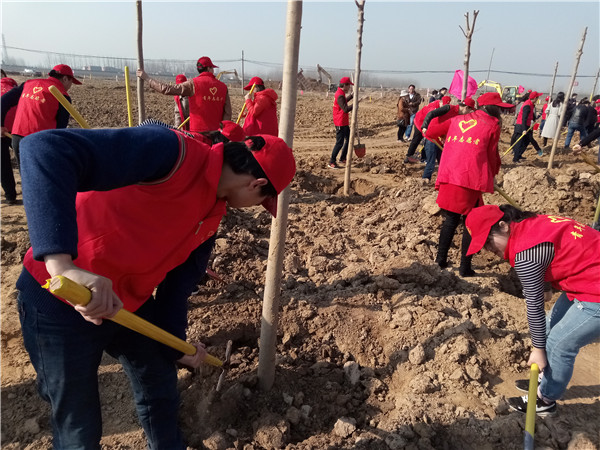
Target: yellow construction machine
[{"x": 509, "y": 94}]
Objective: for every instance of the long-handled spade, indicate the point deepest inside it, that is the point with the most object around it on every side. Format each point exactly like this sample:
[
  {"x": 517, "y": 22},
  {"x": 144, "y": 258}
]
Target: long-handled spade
[
  {"x": 528, "y": 442},
  {"x": 77, "y": 294}
]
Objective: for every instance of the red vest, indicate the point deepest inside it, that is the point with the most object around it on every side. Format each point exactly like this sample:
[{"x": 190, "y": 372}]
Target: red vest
[
  {"x": 544, "y": 108},
  {"x": 7, "y": 84},
  {"x": 207, "y": 103},
  {"x": 262, "y": 114},
  {"x": 420, "y": 116},
  {"x": 527, "y": 120},
  {"x": 340, "y": 118},
  {"x": 136, "y": 234},
  {"x": 37, "y": 107},
  {"x": 438, "y": 126},
  {"x": 470, "y": 158},
  {"x": 181, "y": 114},
  {"x": 598, "y": 111},
  {"x": 575, "y": 268}
]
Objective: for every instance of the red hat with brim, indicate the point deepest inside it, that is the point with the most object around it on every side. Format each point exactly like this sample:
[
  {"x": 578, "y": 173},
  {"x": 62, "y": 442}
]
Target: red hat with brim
[
  {"x": 535, "y": 95},
  {"x": 346, "y": 80},
  {"x": 233, "y": 131},
  {"x": 277, "y": 161},
  {"x": 181, "y": 78},
  {"x": 468, "y": 101},
  {"x": 63, "y": 69},
  {"x": 479, "y": 223},
  {"x": 446, "y": 99},
  {"x": 492, "y": 98},
  {"x": 205, "y": 62},
  {"x": 253, "y": 81}
]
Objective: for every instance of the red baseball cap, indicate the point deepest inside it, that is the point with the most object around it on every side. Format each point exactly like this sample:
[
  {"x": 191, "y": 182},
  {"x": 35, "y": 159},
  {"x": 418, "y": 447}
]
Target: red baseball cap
[
  {"x": 254, "y": 80},
  {"x": 346, "y": 80},
  {"x": 468, "y": 101},
  {"x": 479, "y": 223},
  {"x": 232, "y": 131},
  {"x": 205, "y": 62},
  {"x": 446, "y": 99},
  {"x": 278, "y": 163},
  {"x": 180, "y": 78},
  {"x": 63, "y": 69},
  {"x": 547, "y": 98},
  {"x": 492, "y": 98},
  {"x": 535, "y": 95}
]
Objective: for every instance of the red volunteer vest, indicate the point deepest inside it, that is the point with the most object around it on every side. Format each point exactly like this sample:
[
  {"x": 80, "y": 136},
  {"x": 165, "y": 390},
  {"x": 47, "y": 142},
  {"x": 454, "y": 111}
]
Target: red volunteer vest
[
  {"x": 207, "y": 103},
  {"x": 7, "y": 84},
  {"x": 544, "y": 108},
  {"x": 181, "y": 114},
  {"x": 266, "y": 121},
  {"x": 470, "y": 158},
  {"x": 575, "y": 268},
  {"x": 420, "y": 116},
  {"x": 438, "y": 126},
  {"x": 340, "y": 118},
  {"x": 37, "y": 107},
  {"x": 527, "y": 120},
  {"x": 136, "y": 234},
  {"x": 598, "y": 111}
]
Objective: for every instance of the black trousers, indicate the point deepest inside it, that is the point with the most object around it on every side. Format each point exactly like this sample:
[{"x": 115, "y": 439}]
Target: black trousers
[
  {"x": 7, "y": 178},
  {"x": 451, "y": 222},
  {"x": 416, "y": 140},
  {"x": 342, "y": 136}
]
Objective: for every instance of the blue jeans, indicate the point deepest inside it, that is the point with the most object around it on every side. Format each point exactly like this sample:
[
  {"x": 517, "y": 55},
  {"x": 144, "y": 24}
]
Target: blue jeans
[
  {"x": 410, "y": 125},
  {"x": 432, "y": 152},
  {"x": 572, "y": 129},
  {"x": 65, "y": 351},
  {"x": 569, "y": 326}
]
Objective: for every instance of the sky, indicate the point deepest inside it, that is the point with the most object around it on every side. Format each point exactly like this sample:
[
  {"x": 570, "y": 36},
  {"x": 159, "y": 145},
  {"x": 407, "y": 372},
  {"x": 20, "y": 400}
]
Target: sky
[{"x": 524, "y": 37}]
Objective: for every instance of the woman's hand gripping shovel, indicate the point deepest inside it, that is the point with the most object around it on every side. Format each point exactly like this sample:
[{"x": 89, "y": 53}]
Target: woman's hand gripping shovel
[{"x": 80, "y": 295}]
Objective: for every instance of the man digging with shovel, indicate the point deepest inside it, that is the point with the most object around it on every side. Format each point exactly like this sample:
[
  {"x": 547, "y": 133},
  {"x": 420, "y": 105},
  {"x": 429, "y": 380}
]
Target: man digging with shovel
[{"x": 123, "y": 212}]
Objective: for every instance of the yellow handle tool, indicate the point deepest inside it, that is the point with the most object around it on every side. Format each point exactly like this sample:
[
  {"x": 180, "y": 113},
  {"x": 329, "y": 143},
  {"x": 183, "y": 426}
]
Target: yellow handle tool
[
  {"x": 128, "y": 95},
  {"x": 183, "y": 123},
  {"x": 589, "y": 161},
  {"x": 80, "y": 295},
  {"x": 530, "y": 417},
  {"x": 520, "y": 137},
  {"x": 244, "y": 106},
  {"x": 63, "y": 101}
]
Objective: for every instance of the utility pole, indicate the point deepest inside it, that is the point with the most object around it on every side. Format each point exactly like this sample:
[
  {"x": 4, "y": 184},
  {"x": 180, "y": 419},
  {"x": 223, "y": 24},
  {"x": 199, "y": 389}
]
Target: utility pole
[
  {"x": 243, "y": 82},
  {"x": 490, "y": 66}
]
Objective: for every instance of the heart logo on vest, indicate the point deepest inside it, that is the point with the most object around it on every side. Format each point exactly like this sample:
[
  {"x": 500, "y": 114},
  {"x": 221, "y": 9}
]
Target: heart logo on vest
[
  {"x": 37, "y": 89},
  {"x": 213, "y": 90},
  {"x": 466, "y": 125}
]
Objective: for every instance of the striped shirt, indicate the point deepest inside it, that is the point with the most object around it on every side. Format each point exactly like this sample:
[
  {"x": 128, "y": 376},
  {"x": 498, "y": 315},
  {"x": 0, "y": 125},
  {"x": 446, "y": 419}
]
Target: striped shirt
[{"x": 531, "y": 266}]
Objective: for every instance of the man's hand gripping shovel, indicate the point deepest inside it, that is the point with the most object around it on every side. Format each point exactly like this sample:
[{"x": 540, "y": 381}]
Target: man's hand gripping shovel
[{"x": 80, "y": 295}]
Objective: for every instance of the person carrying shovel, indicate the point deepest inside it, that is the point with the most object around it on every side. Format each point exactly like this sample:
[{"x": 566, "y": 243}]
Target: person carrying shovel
[{"x": 122, "y": 212}]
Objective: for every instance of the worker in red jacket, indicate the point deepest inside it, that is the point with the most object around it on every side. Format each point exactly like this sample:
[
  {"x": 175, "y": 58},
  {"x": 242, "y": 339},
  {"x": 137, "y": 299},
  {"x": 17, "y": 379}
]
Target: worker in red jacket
[
  {"x": 37, "y": 108},
  {"x": 469, "y": 162},
  {"x": 542, "y": 249},
  {"x": 435, "y": 128},
  {"x": 341, "y": 109},
  {"x": 544, "y": 108},
  {"x": 418, "y": 122},
  {"x": 6, "y": 173},
  {"x": 208, "y": 97},
  {"x": 523, "y": 125},
  {"x": 261, "y": 111},
  {"x": 182, "y": 105}
]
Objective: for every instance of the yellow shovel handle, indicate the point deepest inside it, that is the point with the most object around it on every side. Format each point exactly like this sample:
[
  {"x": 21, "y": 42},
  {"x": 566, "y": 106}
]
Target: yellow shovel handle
[
  {"x": 183, "y": 123},
  {"x": 63, "y": 101},
  {"x": 76, "y": 293},
  {"x": 128, "y": 97},
  {"x": 244, "y": 106}
]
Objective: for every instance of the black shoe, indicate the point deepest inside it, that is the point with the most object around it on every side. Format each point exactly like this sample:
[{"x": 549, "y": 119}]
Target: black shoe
[
  {"x": 442, "y": 263},
  {"x": 542, "y": 408},
  {"x": 12, "y": 201},
  {"x": 466, "y": 272},
  {"x": 523, "y": 385}
]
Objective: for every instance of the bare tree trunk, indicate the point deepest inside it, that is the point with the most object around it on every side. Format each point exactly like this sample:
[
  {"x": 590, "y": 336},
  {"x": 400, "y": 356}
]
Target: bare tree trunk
[
  {"x": 468, "y": 34},
  {"x": 570, "y": 91},
  {"x": 140, "y": 63},
  {"x": 270, "y": 310},
  {"x": 553, "y": 80},
  {"x": 360, "y": 4}
]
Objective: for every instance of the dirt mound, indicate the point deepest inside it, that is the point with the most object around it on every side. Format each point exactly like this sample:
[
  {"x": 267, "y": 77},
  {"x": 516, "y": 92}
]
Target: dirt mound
[{"x": 378, "y": 347}]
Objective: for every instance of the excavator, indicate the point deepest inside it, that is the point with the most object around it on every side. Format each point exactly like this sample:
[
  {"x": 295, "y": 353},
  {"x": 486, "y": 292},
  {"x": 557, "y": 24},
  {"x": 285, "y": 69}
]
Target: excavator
[
  {"x": 509, "y": 94},
  {"x": 226, "y": 72},
  {"x": 331, "y": 87}
]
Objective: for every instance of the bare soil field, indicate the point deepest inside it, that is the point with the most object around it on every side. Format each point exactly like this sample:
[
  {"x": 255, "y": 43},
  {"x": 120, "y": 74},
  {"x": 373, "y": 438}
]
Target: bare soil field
[{"x": 378, "y": 347}]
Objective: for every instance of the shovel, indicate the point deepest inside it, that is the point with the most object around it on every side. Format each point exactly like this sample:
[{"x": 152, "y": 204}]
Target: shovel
[
  {"x": 359, "y": 149},
  {"x": 77, "y": 294}
]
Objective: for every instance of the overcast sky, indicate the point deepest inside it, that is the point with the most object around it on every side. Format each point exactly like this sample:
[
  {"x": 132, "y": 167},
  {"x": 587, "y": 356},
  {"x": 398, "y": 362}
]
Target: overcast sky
[{"x": 526, "y": 37}]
